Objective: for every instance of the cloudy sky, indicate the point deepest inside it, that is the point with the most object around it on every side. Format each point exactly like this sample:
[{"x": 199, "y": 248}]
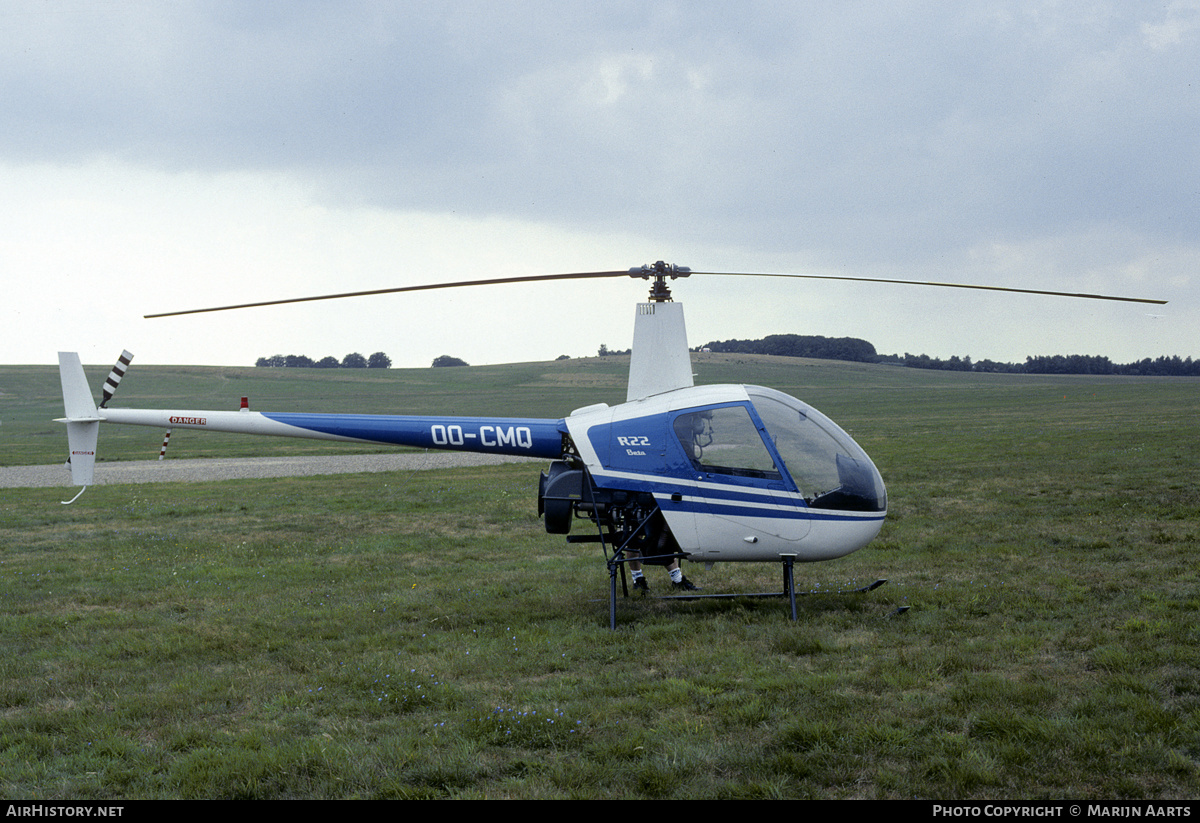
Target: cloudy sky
[{"x": 157, "y": 156}]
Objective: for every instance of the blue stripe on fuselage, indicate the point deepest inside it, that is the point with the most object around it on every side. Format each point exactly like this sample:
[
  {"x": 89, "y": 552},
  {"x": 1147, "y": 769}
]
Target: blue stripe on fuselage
[
  {"x": 497, "y": 435},
  {"x": 733, "y": 501}
]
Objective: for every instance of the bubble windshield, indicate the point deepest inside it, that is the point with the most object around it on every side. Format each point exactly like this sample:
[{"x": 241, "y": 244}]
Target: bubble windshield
[{"x": 830, "y": 470}]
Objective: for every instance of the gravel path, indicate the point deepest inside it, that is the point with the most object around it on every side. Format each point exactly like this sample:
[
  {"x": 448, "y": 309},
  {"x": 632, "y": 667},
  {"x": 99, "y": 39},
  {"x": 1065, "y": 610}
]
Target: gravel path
[{"x": 192, "y": 471}]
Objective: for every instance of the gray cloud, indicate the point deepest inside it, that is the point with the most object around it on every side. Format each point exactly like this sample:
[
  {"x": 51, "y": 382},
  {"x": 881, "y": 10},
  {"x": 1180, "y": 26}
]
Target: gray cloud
[
  {"x": 860, "y": 136},
  {"x": 913, "y": 115}
]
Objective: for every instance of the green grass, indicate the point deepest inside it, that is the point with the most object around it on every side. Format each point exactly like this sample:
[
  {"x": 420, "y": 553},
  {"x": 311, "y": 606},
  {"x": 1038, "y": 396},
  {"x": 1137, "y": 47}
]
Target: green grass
[{"x": 419, "y": 635}]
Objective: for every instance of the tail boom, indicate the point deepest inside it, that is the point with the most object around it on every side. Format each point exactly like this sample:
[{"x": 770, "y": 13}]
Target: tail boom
[
  {"x": 512, "y": 436},
  {"x": 527, "y": 437}
]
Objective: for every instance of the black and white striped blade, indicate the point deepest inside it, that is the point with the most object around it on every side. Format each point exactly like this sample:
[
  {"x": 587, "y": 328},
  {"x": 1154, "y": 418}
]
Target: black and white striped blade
[
  {"x": 633, "y": 273},
  {"x": 114, "y": 376}
]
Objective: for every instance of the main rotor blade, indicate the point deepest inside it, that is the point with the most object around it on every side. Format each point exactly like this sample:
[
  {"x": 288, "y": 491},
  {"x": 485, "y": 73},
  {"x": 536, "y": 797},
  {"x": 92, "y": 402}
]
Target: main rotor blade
[
  {"x": 934, "y": 283},
  {"x": 426, "y": 287},
  {"x": 634, "y": 273}
]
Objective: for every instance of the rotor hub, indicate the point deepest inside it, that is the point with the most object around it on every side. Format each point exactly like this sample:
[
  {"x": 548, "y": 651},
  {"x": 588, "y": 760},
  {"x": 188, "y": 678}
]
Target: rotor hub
[{"x": 660, "y": 271}]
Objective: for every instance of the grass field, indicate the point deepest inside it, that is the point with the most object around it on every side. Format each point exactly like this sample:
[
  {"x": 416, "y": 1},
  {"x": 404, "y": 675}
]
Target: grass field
[{"x": 420, "y": 635}]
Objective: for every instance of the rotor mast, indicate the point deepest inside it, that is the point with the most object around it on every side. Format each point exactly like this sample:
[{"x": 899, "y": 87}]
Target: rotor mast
[{"x": 660, "y": 292}]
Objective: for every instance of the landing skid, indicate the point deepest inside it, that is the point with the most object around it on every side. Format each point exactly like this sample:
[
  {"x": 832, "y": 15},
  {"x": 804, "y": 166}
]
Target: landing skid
[{"x": 789, "y": 590}]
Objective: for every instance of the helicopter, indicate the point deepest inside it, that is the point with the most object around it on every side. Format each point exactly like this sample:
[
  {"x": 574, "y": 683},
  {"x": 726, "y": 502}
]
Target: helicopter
[{"x": 707, "y": 474}]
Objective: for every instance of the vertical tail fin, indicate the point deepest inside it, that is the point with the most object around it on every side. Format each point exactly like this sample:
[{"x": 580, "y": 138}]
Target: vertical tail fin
[{"x": 83, "y": 421}]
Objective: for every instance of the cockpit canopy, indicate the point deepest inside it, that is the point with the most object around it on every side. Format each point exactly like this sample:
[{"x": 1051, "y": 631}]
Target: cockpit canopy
[
  {"x": 825, "y": 465},
  {"x": 746, "y": 436}
]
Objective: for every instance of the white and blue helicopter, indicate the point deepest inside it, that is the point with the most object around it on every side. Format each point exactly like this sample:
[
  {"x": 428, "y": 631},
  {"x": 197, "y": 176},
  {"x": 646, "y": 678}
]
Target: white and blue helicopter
[{"x": 678, "y": 471}]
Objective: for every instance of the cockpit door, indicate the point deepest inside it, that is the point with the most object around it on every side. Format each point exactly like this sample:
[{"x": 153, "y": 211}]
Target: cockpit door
[{"x": 744, "y": 498}]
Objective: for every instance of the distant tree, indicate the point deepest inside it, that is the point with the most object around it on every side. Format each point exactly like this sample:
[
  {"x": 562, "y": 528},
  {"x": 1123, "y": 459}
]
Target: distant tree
[
  {"x": 379, "y": 360},
  {"x": 354, "y": 361},
  {"x": 1050, "y": 364},
  {"x": 802, "y": 345},
  {"x": 447, "y": 360},
  {"x": 329, "y": 362},
  {"x": 986, "y": 365},
  {"x": 563, "y": 357},
  {"x": 603, "y": 350},
  {"x": 275, "y": 361},
  {"x": 298, "y": 361}
]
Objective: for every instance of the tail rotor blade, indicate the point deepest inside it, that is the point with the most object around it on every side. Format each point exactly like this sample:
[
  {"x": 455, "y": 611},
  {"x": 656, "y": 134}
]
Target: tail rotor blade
[{"x": 114, "y": 377}]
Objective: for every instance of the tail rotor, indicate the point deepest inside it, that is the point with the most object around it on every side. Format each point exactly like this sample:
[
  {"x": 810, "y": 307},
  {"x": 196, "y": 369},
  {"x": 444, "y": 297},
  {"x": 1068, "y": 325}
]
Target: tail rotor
[{"x": 114, "y": 376}]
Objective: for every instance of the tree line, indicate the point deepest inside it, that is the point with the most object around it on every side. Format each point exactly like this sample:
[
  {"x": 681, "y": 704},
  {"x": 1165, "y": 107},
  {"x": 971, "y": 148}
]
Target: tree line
[
  {"x": 860, "y": 351},
  {"x": 378, "y": 360},
  {"x": 1174, "y": 366},
  {"x": 827, "y": 348},
  {"x": 802, "y": 345}
]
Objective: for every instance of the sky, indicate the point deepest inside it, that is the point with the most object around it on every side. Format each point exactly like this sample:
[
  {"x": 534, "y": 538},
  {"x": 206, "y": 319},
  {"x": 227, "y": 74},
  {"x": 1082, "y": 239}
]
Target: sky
[{"x": 160, "y": 156}]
